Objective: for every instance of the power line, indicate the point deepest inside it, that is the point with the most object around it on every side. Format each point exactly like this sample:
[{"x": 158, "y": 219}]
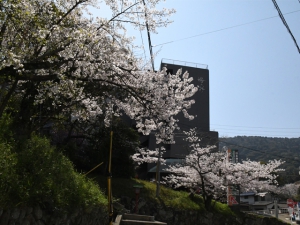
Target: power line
[
  {"x": 240, "y": 146},
  {"x": 226, "y": 28},
  {"x": 257, "y": 130},
  {"x": 285, "y": 24},
  {"x": 257, "y": 134},
  {"x": 263, "y": 131},
  {"x": 246, "y": 132},
  {"x": 258, "y": 127},
  {"x": 251, "y": 149},
  {"x": 260, "y": 151}
]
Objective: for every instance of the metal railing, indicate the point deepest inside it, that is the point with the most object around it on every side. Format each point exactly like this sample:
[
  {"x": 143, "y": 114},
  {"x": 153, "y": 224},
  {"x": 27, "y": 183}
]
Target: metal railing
[
  {"x": 183, "y": 63},
  {"x": 268, "y": 212},
  {"x": 280, "y": 211}
]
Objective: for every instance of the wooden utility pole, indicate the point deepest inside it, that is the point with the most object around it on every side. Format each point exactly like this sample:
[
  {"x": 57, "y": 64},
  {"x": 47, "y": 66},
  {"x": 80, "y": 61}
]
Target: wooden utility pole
[{"x": 109, "y": 176}]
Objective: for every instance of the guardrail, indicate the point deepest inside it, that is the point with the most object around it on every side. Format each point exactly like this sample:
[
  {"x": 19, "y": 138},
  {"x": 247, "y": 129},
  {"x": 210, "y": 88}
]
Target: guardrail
[
  {"x": 269, "y": 212},
  {"x": 262, "y": 212},
  {"x": 280, "y": 211}
]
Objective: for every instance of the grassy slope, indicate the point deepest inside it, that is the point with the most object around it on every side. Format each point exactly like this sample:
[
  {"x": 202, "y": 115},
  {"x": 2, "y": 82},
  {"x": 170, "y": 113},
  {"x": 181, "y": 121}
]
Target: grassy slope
[
  {"x": 171, "y": 198},
  {"x": 168, "y": 197}
]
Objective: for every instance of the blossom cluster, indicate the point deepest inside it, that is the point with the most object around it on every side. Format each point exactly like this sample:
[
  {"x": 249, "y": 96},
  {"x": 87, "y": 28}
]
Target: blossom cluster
[
  {"x": 210, "y": 170},
  {"x": 77, "y": 63}
]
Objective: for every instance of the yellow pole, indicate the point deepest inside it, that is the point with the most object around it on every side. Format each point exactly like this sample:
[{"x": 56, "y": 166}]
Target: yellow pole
[
  {"x": 158, "y": 173},
  {"x": 109, "y": 192}
]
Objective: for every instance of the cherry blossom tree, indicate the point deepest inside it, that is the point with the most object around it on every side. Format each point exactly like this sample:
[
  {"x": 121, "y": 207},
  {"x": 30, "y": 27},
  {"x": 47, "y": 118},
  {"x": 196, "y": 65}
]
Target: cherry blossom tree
[
  {"x": 211, "y": 172},
  {"x": 289, "y": 190},
  {"x": 200, "y": 170},
  {"x": 252, "y": 175},
  {"x": 57, "y": 61},
  {"x": 286, "y": 191},
  {"x": 145, "y": 155}
]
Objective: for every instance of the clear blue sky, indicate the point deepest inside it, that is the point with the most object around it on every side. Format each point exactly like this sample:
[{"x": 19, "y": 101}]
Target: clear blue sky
[{"x": 254, "y": 68}]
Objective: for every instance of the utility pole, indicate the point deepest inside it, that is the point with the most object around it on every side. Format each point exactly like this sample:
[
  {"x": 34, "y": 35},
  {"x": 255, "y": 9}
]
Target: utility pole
[
  {"x": 158, "y": 173},
  {"x": 276, "y": 208},
  {"x": 149, "y": 38},
  {"x": 109, "y": 176}
]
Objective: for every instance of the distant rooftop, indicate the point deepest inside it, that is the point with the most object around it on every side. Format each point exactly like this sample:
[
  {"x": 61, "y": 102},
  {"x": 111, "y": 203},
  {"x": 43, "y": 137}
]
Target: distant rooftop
[
  {"x": 247, "y": 193},
  {"x": 183, "y": 63},
  {"x": 262, "y": 203}
]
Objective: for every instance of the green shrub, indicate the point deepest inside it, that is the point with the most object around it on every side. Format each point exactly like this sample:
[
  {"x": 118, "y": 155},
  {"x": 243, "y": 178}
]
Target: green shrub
[
  {"x": 8, "y": 161},
  {"x": 5, "y": 129},
  {"x": 43, "y": 175},
  {"x": 221, "y": 208}
]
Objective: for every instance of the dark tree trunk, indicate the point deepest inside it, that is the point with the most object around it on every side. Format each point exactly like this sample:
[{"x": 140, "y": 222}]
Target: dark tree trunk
[{"x": 7, "y": 97}]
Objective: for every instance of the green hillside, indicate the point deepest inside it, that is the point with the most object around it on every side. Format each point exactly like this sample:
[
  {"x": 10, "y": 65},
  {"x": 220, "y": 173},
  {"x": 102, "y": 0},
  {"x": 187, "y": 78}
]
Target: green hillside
[{"x": 266, "y": 148}]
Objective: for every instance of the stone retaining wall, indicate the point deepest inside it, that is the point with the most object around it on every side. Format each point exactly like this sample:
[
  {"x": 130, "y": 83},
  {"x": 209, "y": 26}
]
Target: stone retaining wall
[
  {"x": 38, "y": 216},
  {"x": 99, "y": 216},
  {"x": 180, "y": 217}
]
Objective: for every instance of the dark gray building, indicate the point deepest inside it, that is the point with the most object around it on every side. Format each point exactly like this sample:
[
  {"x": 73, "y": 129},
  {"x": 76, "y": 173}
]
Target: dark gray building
[{"x": 200, "y": 110}]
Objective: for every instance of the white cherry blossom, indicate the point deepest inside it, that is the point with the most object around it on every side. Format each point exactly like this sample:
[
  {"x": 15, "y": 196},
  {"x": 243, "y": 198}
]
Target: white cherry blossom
[
  {"x": 76, "y": 62},
  {"x": 211, "y": 172}
]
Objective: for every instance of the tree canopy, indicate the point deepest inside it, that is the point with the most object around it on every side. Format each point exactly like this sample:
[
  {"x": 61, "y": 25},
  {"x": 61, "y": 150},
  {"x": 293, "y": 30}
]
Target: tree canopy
[
  {"x": 58, "y": 64},
  {"x": 212, "y": 172},
  {"x": 266, "y": 148}
]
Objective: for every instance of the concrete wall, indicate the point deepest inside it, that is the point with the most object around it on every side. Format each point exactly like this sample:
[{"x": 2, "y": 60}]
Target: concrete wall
[{"x": 248, "y": 199}]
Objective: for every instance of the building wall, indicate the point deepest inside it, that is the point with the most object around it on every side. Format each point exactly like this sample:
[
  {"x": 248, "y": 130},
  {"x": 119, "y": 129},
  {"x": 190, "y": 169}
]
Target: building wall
[
  {"x": 247, "y": 199},
  {"x": 181, "y": 147},
  {"x": 200, "y": 110},
  {"x": 201, "y": 97}
]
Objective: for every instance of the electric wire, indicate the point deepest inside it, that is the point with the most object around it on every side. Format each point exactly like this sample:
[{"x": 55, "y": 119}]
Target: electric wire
[
  {"x": 260, "y": 151},
  {"x": 263, "y": 131},
  {"x": 285, "y": 24},
  {"x": 258, "y": 127},
  {"x": 279, "y": 132},
  {"x": 226, "y": 28},
  {"x": 241, "y": 146},
  {"x": 252, "y": 149}
]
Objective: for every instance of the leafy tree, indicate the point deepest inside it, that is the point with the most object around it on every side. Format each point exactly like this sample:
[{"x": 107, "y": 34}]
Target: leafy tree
[
  {"x": 8, "y": 161},
  {"x": 266, "y": 148},
  {"x": 211, "y": 172},
  {"x": 37, "y": 174},
  {"x": 89, "y": 147},
  {"x": 70, "y": 65},
  {"x": 286, "y": 191}
]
